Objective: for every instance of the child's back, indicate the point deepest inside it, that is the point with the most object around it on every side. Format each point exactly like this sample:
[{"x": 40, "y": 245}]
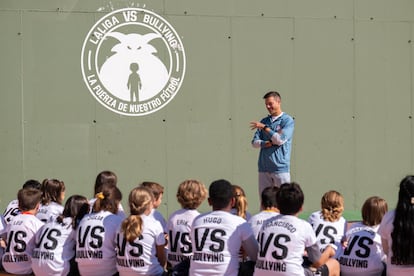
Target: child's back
[
  {"x": 52, "y": 198},
  {"x": 95, "y": 245},
  {"x": 20, "y": 233},
  {"x": 329, "y": 224},
  {"x": 140, "y": 239},
  {"x": 190, "y": 194},
  {"x": 283, "y": 239},
  {"x": 12, "y": 208},
  {"x": 269, "y": 209},
  {"x": 56, "y": 240},
  {"x": 363, "y": 254}
]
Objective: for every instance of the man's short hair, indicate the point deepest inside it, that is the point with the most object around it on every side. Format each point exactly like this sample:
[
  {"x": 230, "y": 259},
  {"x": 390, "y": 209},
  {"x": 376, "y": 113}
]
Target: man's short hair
[
  {"x": 272, "y": 94},
  {"x": 220, "y": 193},
  {"x": 290, "y": 198}
]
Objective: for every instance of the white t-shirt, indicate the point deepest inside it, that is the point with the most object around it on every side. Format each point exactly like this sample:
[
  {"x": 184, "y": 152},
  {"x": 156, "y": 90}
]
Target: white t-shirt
[
  {"x": 55, "y": 247},
  {"x": 179, "y": 228},
  {"x": 217, "y": 237},
  {"x": 282, "y": 242},
  {"x": 139, "y": 257},
  {"x": 49, "y": 212},
  {"x": 12, "y": 210},
  {"x": 327, "y": 232},
  {"x": 257, "y": 220},
  {"x": 385, "y": 230},
  {"x": 95, "y": 244},
  {"x": 364, "y": 254},
  {"x": 20, "y": 243},
  {"x": 159, "y": 217}
]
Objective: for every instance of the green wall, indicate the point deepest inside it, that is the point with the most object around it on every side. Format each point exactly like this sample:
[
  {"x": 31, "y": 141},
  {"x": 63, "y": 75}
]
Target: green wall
[{"x": 344, "y": 69}]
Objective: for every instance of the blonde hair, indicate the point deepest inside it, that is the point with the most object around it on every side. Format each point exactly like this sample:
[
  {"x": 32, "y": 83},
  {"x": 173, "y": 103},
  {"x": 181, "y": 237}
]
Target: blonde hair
[
  {"x": 140, "y": 200},
  {"x": 191, "y": 193},
  {"x": 332, "y": 205},
  {"x": 240, "y": 203}
]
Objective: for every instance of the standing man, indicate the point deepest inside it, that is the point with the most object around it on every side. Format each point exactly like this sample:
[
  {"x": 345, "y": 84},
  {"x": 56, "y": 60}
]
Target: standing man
[{"x": 274, "y": 138}]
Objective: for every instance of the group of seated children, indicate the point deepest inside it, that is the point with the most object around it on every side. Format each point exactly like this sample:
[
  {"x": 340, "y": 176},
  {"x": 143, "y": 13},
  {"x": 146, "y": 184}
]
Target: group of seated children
[{"x": 94, "y": 237}]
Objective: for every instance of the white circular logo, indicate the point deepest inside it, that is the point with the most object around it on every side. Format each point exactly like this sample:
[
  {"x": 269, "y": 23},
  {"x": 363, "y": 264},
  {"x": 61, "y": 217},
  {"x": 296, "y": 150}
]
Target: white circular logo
[{"x": 133, "y": 61}]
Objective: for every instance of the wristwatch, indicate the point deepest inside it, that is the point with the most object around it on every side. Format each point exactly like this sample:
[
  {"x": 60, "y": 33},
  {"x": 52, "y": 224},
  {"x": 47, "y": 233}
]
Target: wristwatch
[{"x": 264, "y": 128}]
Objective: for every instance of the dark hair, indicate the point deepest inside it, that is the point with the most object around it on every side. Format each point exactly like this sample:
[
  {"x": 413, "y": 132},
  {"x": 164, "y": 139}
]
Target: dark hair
[
  {"x": 32, "y": 183},
  {"x": 269, "y": 197},
  {"x": 108, "y": 199},
  {"x": 402, "y": 234},
  {"x": 105, "y": 177},
  {"x": 274, "y": 94},
  {"x": 220, "y": 193},
  {"x": 76, "y": 207},
  {"x": 290, "y": 198},
  {"x": 52, "y": 190},
  {"x": 28, "y": 198},
  {"x": 373, "y": 210}
]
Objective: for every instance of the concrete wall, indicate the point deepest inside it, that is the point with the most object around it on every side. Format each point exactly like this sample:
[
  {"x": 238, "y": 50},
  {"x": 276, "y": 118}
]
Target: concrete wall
[{"x": 344, "y": 69}]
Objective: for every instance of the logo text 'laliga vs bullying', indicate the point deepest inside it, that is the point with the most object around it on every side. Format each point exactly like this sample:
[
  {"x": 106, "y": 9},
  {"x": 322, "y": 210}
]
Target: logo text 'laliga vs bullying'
[{"x": 133, "y": 61}]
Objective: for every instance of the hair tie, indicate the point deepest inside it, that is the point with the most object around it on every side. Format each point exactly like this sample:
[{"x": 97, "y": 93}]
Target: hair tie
[
  {"x": 412, "y": 200},
  {"x": 100, "y": 195}
]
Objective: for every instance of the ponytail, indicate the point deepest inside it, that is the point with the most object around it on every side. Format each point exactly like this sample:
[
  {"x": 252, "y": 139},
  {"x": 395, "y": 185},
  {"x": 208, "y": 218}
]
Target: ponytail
[
  {"x": 108, "y": 199},
  {"x": 140, "y": 201},
  {"x": 132, "y": 227}
]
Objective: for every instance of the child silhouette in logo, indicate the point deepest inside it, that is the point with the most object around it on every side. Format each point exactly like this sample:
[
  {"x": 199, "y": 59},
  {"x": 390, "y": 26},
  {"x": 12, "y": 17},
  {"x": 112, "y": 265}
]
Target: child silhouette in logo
[{"x": 134, "y": 82}]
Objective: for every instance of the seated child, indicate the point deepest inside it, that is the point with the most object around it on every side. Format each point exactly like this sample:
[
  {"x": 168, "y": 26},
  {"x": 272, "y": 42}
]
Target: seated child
[
  {"x": 190, "y": 195},
  {"x": 12, "y": 208},
  {"x": 363, "y": 254},
  {"x": 52, "y": 198},
  {"x": 328, "y": 223},
  {"x": 106, "y": 178},
  {"x": 54, "y": 253},
  {"x": 283, "y": 239},
  {"x": 140, "y": 240},
  {"x": 268, "y": 207},
  {"x": 21, "y": 231},
  {"x": 96, "y": 234},
  {"x": 240, "y": 204},
  {"x": 217, "y": 236},
  {"x": 158, "y": 192}
]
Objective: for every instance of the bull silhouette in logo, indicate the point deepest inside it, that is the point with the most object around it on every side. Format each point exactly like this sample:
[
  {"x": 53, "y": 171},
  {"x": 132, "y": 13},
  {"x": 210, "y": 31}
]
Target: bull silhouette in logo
[{"x": 133, "y": 48}]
